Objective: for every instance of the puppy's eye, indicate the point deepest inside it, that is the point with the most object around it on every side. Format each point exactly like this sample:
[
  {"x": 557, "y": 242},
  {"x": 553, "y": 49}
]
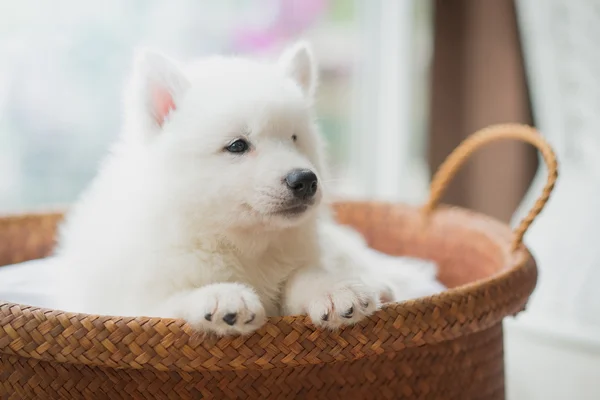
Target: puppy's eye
[
  {"x": 294, "y": 138},
  {"x": 238, "y": 146}
]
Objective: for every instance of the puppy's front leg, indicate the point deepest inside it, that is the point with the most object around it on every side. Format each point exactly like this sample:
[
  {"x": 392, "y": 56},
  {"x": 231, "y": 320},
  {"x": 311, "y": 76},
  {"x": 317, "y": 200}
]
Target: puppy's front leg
[
  {"x": 221, "y": 308},
  {"x": 330, "y": 300}
]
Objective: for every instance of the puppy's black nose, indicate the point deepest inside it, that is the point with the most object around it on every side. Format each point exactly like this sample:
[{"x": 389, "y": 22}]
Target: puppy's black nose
[{"x": 302, "y": 182}]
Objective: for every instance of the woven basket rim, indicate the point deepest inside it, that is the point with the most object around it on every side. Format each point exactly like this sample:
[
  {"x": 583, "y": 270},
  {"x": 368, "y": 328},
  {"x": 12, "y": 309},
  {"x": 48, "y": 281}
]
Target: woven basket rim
[{"x": 110, "y": 341}]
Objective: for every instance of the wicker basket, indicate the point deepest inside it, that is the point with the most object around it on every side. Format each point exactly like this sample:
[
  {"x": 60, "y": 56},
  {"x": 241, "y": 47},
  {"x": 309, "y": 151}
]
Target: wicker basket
[{"x": 447, "y": 346}]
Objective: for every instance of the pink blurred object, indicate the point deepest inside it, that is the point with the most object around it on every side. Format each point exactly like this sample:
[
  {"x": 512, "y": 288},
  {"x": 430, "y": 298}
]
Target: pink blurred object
[{"x": 293, "y": 17}]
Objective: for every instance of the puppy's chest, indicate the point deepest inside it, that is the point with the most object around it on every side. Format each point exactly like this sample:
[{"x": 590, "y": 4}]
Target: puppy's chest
[{"x": 268, "y": 273}]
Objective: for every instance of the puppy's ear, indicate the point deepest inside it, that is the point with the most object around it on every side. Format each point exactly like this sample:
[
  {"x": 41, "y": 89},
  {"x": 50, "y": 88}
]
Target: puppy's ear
[
  {"x": 298, "y": 63},
  {"x": 155, "y": 91}
]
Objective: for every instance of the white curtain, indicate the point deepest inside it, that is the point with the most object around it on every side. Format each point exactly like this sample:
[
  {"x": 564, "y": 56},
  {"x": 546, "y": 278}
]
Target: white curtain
[{"x": 553, "y": 349}]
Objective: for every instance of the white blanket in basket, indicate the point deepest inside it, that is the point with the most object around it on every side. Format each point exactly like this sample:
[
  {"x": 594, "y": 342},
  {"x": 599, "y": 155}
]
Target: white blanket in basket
[{"x": 34, "y": 282}]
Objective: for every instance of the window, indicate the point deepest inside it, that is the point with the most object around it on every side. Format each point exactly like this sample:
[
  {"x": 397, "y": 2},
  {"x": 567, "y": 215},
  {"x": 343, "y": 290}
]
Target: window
[{"x": 61, "y": 82}]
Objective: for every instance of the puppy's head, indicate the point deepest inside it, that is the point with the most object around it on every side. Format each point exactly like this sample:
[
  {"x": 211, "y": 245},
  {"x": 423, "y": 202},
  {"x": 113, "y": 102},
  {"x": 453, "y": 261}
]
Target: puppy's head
[{"x": 228, "y": 139}]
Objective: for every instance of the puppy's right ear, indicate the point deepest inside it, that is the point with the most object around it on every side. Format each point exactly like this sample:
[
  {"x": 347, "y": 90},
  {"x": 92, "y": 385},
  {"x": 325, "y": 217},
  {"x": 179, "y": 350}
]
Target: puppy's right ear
[
  {"x": 298, "y": 63},
  {"x": 155, "y": 91}
]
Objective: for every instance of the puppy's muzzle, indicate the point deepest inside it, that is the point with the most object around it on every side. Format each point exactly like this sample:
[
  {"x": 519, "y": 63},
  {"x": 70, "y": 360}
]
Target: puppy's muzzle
[{"x": 302, "y": 183}]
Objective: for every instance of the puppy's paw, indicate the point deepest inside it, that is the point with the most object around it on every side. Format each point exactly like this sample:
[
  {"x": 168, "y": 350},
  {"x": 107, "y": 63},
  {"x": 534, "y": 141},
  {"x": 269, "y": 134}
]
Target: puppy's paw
[
  {"x": 226, "y": 309},
  {"x": 343, "y": 304}
]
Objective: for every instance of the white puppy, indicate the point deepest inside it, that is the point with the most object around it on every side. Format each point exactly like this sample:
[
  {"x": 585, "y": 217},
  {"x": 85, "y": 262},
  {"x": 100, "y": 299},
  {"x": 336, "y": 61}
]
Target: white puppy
[{"x": 210, "y": 206}]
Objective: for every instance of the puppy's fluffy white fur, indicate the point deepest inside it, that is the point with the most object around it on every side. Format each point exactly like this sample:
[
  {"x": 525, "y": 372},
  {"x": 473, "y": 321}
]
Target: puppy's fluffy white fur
[{"x": 174, "y": 225}]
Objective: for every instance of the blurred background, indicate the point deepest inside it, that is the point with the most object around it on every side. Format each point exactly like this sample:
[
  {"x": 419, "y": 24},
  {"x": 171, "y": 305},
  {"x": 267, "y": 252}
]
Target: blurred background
[
  {"x": 402, "y": 83},
  {"x": 63, "y": 65}
]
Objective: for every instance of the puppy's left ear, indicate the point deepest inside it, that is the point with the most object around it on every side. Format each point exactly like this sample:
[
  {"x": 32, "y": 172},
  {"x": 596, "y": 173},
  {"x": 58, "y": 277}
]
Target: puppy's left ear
[
  {"x": 155, "y": 91},
  {"x": 298, "y": 63}
]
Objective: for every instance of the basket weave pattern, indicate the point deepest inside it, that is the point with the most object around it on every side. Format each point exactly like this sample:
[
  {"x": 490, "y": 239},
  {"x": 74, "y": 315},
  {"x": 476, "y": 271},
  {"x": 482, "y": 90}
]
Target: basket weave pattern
[{"x": 440, "y": 347}]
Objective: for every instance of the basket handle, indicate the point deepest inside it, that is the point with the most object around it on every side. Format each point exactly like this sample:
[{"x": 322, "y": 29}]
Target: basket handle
[{"x": 457, "y": 158}]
